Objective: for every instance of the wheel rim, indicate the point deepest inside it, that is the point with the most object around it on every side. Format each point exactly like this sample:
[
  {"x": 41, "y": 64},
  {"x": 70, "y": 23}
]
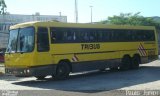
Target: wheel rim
[{"x": 61, "y": 71}]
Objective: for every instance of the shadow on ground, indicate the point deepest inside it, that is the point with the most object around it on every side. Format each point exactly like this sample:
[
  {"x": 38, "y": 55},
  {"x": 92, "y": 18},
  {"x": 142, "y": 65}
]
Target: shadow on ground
[{"x": 98, "y": 81}]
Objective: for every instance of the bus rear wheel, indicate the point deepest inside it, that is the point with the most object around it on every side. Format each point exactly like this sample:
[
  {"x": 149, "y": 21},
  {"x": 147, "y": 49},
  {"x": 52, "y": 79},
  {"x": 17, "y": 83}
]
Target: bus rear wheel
[
  {"x": 125, "y": 63},
  {"x": 114, "y": 69},
  {"x": 135, "y": 62},
  {"x": 62, "y": 71}
]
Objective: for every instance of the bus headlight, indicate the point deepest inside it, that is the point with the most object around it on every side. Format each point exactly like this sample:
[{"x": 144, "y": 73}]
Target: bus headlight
[
  {"x": 28, "y": 71},
  {"x": 25, "y": 71}
]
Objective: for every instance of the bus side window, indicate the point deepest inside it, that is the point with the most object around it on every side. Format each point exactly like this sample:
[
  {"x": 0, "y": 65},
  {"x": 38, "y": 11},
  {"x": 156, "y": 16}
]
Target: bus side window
[
  {"x": 70, "y": 36},
  {"x": 42, "y": 40},
  {"x": 53, "y": 36},
  {"x": 93, "y": 36}
]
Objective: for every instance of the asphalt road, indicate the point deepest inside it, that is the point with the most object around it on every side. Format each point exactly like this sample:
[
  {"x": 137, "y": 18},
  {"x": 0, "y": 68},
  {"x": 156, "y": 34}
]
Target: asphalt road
[{"x": 93, "y": 83}]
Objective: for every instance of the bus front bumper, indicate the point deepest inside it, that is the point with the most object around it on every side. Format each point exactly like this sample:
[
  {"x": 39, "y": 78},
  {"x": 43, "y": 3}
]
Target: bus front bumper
[{"x": 28, "y": 72}]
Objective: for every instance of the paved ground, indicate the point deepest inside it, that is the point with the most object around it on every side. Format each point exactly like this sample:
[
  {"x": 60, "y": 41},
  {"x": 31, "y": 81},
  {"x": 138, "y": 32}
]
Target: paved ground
[{"x": 95, "y": 83}]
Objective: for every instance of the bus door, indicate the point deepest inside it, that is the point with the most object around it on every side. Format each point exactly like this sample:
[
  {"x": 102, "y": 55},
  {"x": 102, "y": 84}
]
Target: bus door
[{"x": 43, "y": 47}]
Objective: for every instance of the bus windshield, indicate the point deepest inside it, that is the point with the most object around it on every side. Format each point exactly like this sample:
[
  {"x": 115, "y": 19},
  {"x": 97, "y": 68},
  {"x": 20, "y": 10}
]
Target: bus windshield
[{"x": 21, "y": 40}]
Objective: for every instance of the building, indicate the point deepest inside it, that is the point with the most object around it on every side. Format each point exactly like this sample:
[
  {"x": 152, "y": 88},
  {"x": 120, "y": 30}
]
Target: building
[{"x": 11, "y": 19}]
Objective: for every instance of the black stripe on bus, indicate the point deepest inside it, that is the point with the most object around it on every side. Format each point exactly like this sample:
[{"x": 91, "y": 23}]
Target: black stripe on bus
[{"x": 100, "y": 52}]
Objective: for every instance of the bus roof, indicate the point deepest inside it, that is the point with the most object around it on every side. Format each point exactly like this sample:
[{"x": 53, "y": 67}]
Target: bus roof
[{"x": 79, "y": 25}]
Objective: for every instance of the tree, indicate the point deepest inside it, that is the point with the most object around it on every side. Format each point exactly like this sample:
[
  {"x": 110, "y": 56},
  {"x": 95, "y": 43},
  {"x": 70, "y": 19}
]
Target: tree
[
  {"x": 3, "y": 7},
  {"x": 131, "y": 19}
]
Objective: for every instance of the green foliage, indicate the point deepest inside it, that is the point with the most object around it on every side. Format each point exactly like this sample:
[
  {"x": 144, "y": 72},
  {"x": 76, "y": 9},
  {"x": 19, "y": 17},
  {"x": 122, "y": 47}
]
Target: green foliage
[
  {"x": 156, "y": 19},
  {"x": 131, "y": 19},
  {"x": 3, "y": 7}
]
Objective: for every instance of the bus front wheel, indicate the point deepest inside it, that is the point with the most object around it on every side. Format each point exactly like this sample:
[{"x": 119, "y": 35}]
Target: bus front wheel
[{"x": 62, "y": 71}]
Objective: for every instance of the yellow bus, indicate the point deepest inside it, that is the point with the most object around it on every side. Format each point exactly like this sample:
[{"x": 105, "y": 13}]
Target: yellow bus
[{"x": 40, "y": 49}]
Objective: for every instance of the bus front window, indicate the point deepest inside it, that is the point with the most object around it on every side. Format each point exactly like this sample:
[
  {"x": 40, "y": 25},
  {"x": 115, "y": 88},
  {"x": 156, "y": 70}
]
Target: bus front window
[
  {"x": 12, "y": 41},
  {"x": 25, "y": 41},
  {"x": 21, "y": 40}
]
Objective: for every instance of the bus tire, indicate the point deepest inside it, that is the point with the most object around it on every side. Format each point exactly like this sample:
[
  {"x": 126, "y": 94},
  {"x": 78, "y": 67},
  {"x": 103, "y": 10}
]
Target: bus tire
[
  {"x": 125, "y": 63},
  {"x": 62, "y": 71},
  {"x": 40, "y": 77},
  {"x": 114, "y": 69},
  {"x": 102, "y": 70},
  {"x": 135, "y": 62}
]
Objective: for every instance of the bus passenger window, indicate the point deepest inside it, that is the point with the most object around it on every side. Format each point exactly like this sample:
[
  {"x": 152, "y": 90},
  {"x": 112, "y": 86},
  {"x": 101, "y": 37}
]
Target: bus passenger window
[
  {"x": 86, "y": 37},
  {"x": 74, "y": 36},
  {"x": 69, "y": 36},
  {"x": 53, "y": 37},
  {"x": 92, "y": 36},
  {"x": 42, "y": 40}
]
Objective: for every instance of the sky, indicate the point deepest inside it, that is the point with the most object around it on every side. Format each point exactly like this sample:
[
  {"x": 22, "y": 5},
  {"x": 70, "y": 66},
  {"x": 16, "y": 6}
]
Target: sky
[{"x": 100, "y": 11}]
